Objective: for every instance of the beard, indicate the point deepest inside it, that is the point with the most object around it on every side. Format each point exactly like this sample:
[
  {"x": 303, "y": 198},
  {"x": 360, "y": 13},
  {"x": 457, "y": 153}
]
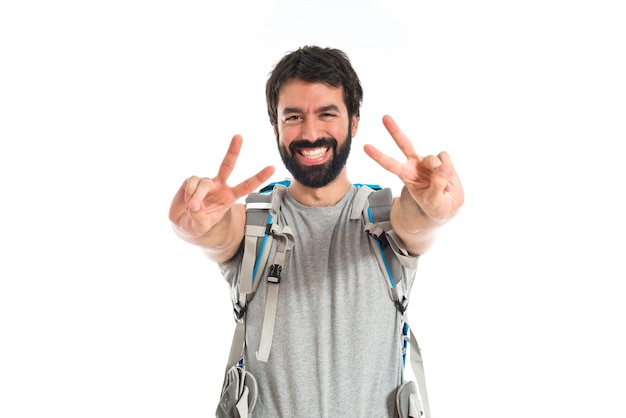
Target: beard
[{"x": 320, "y": 175}]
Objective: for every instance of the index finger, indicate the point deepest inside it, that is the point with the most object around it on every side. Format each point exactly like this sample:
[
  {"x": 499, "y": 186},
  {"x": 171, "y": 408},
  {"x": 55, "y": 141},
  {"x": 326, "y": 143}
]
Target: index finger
[
  {"x": 228, "y": 163},
  {"x": 251, "y": 184},
  {"x": 401, "y": 139}
]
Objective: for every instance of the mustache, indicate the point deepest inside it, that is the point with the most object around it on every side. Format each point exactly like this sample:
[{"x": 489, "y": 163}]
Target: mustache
[{"x": 320, "y": 142}]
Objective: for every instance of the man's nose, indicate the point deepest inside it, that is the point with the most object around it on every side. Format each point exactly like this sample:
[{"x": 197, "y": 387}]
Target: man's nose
[{"x": 311, "y": 129}]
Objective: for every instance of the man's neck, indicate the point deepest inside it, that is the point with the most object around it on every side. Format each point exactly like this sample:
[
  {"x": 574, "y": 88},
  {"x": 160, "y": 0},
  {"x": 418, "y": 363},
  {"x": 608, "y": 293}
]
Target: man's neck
[{"x": 328, "y": 195}]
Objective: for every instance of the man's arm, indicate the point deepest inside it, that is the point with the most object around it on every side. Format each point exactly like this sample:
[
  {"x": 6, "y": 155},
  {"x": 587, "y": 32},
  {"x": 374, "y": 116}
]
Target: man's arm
[{"x": 204, "y": 211}]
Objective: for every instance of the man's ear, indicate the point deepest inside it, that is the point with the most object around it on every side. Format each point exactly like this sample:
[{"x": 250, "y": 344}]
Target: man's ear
[
  {"x": 275, "y": 127},
  {"x": 355, "y": 125}
]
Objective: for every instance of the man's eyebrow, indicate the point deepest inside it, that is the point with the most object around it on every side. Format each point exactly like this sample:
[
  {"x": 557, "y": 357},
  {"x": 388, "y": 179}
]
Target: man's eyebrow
[
  {"x": 288, "y": 110},
  {"x": 326, "y": 108},
  {"x": 329, "y": 107}
]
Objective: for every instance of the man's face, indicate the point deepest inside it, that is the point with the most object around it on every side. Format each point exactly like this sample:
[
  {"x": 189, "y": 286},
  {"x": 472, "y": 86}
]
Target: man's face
[{"x": 314, "y": 132}]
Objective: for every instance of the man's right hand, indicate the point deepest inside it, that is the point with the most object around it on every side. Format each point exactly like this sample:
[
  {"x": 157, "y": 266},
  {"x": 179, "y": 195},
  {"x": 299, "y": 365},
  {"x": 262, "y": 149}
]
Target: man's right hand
[{"x": 201, "y": 203}]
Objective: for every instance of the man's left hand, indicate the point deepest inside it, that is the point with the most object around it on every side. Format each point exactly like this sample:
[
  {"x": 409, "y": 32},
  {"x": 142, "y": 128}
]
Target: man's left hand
[{"x": 432, "y": 180}]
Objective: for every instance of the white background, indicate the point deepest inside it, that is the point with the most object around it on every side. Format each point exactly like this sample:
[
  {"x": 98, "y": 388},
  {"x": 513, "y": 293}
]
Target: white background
[{"x": 107, "y": 106}]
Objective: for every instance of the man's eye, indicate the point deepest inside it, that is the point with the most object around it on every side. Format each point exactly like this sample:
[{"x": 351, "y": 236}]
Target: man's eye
[
  {"x": 292, "y": 118},
  {"x": 328, "y": 115}
]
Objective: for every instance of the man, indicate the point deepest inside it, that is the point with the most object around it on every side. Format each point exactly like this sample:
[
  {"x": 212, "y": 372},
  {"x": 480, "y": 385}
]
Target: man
[{"x": 336, "y": 348}]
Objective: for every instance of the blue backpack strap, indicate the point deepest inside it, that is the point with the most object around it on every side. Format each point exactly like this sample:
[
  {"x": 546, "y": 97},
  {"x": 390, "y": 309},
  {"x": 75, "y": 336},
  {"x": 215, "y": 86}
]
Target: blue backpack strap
[
  {"x": 271, "y": 186},
  {"x": 371, "y": 186}
]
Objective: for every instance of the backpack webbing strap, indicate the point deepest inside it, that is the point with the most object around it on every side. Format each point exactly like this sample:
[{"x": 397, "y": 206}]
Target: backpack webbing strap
[
  {"x": 236, "y": 347},
  {"x": 360, "y": 201},
  {"x": 273, "y": 283},
  {"x": 417, "y": 365}
]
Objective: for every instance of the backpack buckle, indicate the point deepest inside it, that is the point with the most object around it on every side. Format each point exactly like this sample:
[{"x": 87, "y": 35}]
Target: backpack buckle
[
  {"x": 239, "y": 312},
  {"x": 275, "y": 272},
  {"x": 378, "y": 234},
  {"x": 382, "y": 238},
  {"x": 402, "y": 305}
]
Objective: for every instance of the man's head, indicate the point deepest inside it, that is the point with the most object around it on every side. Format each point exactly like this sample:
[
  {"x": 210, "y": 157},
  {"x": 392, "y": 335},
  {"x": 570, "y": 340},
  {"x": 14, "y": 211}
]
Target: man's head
[
  {"x": 315, "y": 65},
  {"x": 314, "y": 97}
]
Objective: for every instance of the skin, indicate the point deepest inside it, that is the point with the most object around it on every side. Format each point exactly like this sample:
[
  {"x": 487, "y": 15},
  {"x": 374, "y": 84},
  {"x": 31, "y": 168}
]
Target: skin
[
  {"x": 432, "y": 192},
  {"x": 309, "y": 111},
  {"x": 204, "y": 211}
]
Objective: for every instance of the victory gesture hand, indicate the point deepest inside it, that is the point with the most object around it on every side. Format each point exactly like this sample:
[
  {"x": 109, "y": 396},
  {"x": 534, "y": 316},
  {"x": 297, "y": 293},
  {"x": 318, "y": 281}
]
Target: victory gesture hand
[
  {"x": 431, "y": 181},
  {"x": 202, "y": 202}
]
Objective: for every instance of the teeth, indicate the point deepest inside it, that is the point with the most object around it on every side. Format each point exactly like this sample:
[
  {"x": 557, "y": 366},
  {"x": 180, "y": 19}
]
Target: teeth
[{"x": 313, "y": 152}]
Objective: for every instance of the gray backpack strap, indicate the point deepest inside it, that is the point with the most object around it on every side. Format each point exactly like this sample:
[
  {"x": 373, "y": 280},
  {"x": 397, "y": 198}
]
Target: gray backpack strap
[
  {"x": 417, "y": 366},
  {"x": 260, "y": 231},
  {"x": 392, "y": 256},
  {"x": 273, "y": 283},
  {"x": 286, "y": 242},
  {"x": 257, "y": 243}
]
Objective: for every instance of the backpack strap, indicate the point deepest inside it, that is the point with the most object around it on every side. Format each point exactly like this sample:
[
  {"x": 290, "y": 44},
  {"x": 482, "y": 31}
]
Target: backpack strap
[
  {"x": 273, "y": 282},
  {"x": 260, "y": 217},
  {"x": 374, "y": 205},
  {"x": 260, "y": 231},
  {"x": 392, "y": 256}
]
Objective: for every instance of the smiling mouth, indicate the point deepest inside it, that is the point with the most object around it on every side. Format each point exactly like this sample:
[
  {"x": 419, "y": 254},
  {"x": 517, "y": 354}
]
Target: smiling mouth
[{"x": 313, "y": 153}]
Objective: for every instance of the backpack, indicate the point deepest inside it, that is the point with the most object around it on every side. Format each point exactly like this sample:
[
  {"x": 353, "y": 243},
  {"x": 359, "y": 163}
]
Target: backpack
[{"x": 371, "y": 202}]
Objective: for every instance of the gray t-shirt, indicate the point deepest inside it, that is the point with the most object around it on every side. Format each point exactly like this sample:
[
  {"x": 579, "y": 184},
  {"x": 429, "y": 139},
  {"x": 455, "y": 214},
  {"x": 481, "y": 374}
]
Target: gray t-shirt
[{"x": 337, "y": 347}]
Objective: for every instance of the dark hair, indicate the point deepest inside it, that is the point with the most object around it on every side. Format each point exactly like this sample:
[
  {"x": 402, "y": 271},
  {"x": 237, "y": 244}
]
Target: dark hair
[{"x": 314, "y": 64}]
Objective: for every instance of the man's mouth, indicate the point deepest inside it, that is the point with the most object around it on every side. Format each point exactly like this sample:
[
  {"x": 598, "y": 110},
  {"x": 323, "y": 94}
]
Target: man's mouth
[{"x": 313, "y": 153}]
